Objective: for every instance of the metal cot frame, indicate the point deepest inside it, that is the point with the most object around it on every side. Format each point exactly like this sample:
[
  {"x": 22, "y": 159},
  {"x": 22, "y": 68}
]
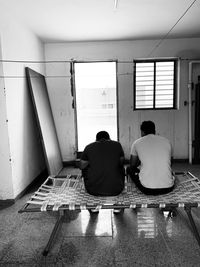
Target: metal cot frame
[{"x": 60, "y": 194}]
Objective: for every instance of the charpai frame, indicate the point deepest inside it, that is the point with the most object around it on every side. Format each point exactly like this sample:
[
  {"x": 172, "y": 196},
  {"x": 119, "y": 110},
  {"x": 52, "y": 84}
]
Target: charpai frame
[{"x": 60, "y": 194}]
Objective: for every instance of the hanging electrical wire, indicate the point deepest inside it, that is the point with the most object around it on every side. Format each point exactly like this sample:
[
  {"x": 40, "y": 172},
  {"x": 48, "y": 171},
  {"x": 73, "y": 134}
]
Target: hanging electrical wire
[{"x": 161, "y": 40}]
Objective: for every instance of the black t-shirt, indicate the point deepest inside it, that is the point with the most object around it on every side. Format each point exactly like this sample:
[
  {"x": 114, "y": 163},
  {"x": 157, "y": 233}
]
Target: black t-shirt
[{"x": 104, "y": 174}]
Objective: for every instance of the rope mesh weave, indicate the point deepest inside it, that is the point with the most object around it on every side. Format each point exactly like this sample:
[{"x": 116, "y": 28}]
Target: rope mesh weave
[{"x": 70, "y": 193}]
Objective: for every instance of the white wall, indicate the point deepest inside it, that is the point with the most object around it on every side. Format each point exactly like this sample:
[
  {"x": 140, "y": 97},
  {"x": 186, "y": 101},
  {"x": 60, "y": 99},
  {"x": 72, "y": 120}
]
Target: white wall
[
  {"x": 173, "y": 124},
  {"x": 19, "y": 43},
  {"x": 6, "y": 190}
]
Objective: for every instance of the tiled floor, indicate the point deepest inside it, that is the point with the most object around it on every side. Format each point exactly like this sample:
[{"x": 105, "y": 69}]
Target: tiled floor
[{"x": 145, "y": 237}]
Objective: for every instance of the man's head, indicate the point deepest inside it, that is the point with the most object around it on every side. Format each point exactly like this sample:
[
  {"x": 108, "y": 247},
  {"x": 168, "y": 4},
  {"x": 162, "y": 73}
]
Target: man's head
[
  {"x": 102, "y": 135},
  {"x": 147, "y": 127}
]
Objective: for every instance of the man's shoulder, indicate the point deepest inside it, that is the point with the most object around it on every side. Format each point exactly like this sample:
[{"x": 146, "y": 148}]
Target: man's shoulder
[
  {"x": 108, "y": 143},
  {"x": 115, "y": 142},
  {"x": 162, "y": 138},
  {"x": 149, "y": 138},
  {"x": 91, "y": 145},
  {"x": 139, "y": 140}
]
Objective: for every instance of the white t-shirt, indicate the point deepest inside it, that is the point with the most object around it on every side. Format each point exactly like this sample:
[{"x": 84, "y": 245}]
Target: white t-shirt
[{"x": 154, "y": 153}]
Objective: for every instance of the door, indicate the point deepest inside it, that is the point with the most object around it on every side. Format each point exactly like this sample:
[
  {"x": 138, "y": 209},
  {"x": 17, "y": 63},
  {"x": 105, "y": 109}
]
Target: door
[{"x": 96, "y": 100}]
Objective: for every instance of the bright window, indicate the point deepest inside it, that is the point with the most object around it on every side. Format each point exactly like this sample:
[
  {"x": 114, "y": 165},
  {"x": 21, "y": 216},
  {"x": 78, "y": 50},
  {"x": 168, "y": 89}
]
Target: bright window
[
  {"x": 155, "y": 84},
  {"x": 96, "y": 100}
]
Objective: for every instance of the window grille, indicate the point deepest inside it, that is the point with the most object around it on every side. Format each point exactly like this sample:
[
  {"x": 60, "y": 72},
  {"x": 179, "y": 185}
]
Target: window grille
[{"x": 155, "y": 84}]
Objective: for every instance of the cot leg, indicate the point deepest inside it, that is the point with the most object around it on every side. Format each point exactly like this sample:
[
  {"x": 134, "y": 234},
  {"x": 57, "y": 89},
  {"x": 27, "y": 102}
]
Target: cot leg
[
  {"x": 172, "y": 213},
  {"x": 53, "y": 234},
  {"x": 196, "y": 233}
]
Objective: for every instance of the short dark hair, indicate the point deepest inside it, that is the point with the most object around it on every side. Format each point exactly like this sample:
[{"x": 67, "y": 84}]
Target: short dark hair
[
  {"x": 148, "y": 127},
  {"x": 102, "y": 135}
]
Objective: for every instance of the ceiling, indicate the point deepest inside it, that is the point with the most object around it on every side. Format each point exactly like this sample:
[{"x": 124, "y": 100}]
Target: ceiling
[{"x": 96, "y": 20}]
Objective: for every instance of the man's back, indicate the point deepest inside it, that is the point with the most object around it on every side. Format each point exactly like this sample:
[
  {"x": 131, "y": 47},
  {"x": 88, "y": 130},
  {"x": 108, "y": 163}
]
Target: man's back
[
  {"x": 154, "y": 153},
  {"x": 104, "y": 174}
]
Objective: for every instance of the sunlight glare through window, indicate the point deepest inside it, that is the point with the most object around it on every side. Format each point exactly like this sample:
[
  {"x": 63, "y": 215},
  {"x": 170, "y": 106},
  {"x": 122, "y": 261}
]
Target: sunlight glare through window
[{"x": 95, "y": 100}]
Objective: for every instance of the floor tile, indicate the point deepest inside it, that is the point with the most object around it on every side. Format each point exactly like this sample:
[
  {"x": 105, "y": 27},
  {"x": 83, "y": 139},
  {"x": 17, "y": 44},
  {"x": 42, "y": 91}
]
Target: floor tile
[
  {"x": 85, "y": 224},
  {"x": 144, "y": 252},
  {"x": 142, "y": 237},
  {"x": 135, "y": 263},
  {"x": 138, "y": 241},
  {"x": 87, "y": 252},
  {"x": 185, "y": 252},
  {"x": 28, "y": 243}
]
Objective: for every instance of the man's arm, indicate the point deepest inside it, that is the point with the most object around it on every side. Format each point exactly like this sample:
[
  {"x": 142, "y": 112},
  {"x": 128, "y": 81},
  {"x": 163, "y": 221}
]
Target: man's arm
[
  {"x": 83, "y": 164},
  {"x": 121, "y": 161},
  {"x": 121, "y": 157},
  {"x": 134, "y": 161},
  {"x": 172, "y": 155}
]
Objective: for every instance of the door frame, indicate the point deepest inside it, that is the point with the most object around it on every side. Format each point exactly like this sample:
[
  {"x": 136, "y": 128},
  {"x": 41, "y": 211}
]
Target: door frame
[{"x": 74, "y": 104}]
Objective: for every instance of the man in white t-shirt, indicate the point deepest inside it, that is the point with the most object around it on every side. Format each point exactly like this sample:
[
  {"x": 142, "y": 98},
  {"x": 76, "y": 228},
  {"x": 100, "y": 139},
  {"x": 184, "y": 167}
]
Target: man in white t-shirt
[{"x": 150, "y": 162}]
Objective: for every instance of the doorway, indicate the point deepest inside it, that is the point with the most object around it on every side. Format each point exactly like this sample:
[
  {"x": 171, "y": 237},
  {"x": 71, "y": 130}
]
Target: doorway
[{"x": 96, "y": 100}]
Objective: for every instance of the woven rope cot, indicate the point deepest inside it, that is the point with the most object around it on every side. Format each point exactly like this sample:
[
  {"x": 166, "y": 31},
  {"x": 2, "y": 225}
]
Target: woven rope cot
[
  {"x": 60, "y": 194},
  {"x": 69, "y": 193}
]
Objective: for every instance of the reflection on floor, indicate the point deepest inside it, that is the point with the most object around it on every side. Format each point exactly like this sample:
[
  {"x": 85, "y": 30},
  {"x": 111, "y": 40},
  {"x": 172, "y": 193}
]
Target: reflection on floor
[{"x": 142, "y": 237}]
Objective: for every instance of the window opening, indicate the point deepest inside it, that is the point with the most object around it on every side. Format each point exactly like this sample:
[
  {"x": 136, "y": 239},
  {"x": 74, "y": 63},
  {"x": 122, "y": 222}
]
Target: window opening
[
  {"x": 96, "y": 100},
  {"x": 155, "y": 84}
]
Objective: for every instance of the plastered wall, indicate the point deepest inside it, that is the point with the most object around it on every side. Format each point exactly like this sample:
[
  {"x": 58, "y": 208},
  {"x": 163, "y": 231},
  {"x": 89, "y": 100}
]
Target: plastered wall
[
  {"x": 6, "y": 190},
  {"x": 22, "y": 159},
  {"x": 170, "y": 123}
]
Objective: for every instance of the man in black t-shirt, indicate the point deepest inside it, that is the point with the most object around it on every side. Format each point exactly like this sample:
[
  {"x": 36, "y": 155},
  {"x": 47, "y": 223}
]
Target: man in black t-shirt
[{"x": 102, "y": 166}]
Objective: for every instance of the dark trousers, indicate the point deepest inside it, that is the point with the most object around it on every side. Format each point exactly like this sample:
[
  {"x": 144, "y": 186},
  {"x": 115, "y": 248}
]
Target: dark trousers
[{"x": 134, "y": 174}]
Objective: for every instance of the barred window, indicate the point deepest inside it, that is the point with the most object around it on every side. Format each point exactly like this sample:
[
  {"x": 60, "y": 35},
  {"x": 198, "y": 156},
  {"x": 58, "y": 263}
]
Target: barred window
[{"x": 155, "y": 84}]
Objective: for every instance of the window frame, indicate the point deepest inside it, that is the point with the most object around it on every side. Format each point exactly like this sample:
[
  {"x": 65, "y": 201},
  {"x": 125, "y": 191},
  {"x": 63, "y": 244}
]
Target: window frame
[
  {"x": 73, "y": 90},
  {"x": 154, "y": 61}
]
